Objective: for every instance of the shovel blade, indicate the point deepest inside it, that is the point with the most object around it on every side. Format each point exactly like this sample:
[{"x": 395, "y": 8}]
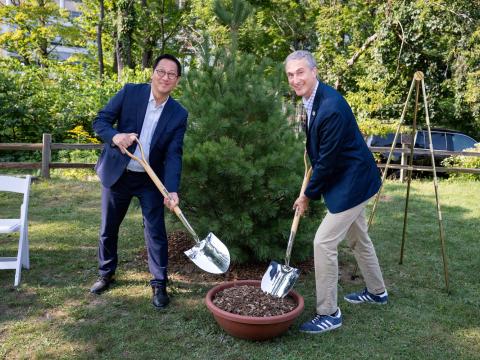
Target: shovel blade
[
  {"x": 279, "y": 279},
  {"x": 210, "y": 255}
]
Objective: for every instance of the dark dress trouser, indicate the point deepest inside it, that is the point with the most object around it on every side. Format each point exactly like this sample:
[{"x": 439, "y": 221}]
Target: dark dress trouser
[{"x": 115, "y": 202}]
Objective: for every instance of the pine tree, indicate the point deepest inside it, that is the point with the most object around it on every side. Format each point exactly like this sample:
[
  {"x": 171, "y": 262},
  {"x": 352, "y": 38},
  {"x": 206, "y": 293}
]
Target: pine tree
[{"x": 243, "y": 164}]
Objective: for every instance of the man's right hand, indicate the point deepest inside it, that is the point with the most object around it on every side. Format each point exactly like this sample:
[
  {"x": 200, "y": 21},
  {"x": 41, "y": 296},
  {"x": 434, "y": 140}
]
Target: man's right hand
[
  {"x": 301, "y": 204},
  {"x": 123, "y": 140}
]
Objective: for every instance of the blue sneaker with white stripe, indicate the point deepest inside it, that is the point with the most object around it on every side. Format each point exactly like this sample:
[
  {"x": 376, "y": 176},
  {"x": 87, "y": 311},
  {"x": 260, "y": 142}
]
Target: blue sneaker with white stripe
[
  {"x": 367, "y": 297},
  {"x": 322, "y": 323}
]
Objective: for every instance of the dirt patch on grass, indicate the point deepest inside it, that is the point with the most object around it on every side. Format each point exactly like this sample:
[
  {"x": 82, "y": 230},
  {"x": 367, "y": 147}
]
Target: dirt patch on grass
[
  {"x": 348, "y": 274},
  {"x": 14, "y": 303},
  {"x": 181, "y": 268},
  {"x": 386, "y": 198},
  {"x": 4, "y": 311},
  {"x": 3, "y": 334},
  {"x": 54, "y": 314},
  {"x": 95, "y": 301}
]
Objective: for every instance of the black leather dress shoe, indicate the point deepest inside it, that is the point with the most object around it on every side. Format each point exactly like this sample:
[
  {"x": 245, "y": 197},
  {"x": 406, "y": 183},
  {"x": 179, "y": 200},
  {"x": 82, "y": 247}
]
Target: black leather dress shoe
[
  {"x": 102, "y": 284},
  {"x": 160, "y": 297}
]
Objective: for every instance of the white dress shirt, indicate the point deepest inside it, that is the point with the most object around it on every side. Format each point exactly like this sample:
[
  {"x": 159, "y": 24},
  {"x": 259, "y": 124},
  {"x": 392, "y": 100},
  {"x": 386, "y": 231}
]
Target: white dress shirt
[{"x": 150, "y": 122}]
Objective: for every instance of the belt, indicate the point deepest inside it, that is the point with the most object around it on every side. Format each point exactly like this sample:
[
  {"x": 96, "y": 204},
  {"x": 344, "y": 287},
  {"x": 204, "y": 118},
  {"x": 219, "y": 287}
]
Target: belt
[{"x": 131, "y": 172}]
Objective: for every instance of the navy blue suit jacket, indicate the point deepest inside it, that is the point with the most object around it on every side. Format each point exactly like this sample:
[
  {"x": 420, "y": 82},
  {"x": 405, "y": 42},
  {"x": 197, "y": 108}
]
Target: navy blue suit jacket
[
  {"x": 344, "y": 171},
  {"x": 127, "y": 110}
]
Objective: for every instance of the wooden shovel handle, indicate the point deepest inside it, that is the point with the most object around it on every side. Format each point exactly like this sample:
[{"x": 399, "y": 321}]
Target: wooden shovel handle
[
  {"x": 149, "y": 170},
  {"x": 162, "y": 189},
  {"x": 154, "y": 177},
  {"x": 296, "y": 218},
  {"x": 306, "y": 179}
]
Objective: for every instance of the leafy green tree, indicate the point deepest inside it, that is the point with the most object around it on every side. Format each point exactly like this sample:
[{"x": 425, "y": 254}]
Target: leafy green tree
[
  {"x": 433, "y": 37},
  {"x": 133, "y": 33},
  {"x": 243, "y": 164},
  {"x": 274, "y": 29},
  {"x": 97, "y": 26},
  {"x": 13, "y": 109},
  {"x": 370, "y": 51},
  {"x": 161, "y": 29},
  {"x": 53, "y": 99},
  {"x": 279, "y": 27},
  {"x": 32, "y": 27}
]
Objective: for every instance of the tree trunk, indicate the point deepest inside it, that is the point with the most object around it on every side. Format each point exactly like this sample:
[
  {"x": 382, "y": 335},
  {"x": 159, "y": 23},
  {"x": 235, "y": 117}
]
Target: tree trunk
[
  {"x": 42, "y": 43},
  {"x": 115, "y": 62},
  {"x": 147, "y": 52},
  {"x": 118, "y": 59},
  {"x": 101, "y": 67},
  {"x": 147, "y": 55},
  {"x": 125, "y": 26}
]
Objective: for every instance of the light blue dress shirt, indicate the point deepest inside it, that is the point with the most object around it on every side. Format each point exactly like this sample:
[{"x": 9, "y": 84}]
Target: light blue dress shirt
[{"x": 150, "y": 122}]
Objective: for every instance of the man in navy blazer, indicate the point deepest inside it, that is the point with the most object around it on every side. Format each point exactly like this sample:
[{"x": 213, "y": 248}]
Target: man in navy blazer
[
  {"x": 345, "y": 175},
  {"x": 146, "y": 112}
]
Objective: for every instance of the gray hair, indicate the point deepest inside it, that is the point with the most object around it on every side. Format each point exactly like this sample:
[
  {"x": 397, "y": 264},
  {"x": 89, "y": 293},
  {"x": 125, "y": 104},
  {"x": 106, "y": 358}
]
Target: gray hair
[{"x": 302, "y": 54}]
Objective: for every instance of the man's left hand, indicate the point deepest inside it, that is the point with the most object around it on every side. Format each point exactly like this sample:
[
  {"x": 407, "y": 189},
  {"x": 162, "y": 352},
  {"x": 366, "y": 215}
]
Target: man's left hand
[{"x": 172, "y": 201}]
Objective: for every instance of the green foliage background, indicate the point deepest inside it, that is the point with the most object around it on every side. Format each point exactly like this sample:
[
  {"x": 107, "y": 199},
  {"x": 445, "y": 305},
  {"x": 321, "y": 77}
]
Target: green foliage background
[
  {"x": 243, "y": 164},
  {"x": 440, "y": 38}
]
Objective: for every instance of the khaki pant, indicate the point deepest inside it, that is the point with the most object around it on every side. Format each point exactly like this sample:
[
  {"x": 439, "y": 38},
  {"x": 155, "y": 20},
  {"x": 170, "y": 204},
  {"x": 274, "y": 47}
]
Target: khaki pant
[{"x": 352, "y": 225}]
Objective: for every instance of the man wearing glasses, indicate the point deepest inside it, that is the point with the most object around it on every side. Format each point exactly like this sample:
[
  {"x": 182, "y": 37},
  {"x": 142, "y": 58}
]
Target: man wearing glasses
[{"x": 149, "y": 113}]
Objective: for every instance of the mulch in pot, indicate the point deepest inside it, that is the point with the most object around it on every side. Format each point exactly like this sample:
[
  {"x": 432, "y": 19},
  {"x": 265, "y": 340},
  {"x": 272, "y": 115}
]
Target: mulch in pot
[{"x": 250, "y": 300}]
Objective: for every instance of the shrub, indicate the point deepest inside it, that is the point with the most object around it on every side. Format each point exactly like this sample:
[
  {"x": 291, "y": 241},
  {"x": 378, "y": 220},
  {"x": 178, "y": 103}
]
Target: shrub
[
  {"x": 243, "y": 165},
  {"x": 471, "y": 162},
  {"x": 78, "y": 135}
]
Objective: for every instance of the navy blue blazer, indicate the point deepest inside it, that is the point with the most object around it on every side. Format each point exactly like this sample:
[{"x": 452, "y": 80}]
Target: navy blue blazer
[
  {"x": 127, "y": 110},
  {"x": 344, "y": 171}
]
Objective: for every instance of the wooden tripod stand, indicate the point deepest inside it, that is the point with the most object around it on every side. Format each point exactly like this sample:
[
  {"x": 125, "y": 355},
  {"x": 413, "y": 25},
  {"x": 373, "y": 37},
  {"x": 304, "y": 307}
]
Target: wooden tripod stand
[{"x": 418, "y": 79}]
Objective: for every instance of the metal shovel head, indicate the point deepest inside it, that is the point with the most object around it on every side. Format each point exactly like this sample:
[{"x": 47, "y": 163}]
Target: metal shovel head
[
  {"x": 279, "y": 279},
  {"x": 210, "y": 255}
]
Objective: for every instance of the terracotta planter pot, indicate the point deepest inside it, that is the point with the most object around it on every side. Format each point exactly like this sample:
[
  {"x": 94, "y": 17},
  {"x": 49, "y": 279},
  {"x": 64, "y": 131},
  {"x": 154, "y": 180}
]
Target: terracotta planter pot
[{"x": 252, "y": 327}]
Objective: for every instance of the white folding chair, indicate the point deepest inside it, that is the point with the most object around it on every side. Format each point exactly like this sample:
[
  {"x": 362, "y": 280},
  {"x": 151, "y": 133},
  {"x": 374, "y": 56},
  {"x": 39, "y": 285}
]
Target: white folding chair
[{"x": 18, "y": 185}]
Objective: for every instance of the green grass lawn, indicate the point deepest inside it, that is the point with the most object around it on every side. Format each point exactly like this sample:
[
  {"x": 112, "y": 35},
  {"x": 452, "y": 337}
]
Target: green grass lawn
[{"x": 52, "y": 314}]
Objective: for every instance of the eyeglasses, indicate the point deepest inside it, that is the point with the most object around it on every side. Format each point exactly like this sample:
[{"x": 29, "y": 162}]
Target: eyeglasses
[{"x": 170, "y": 75}]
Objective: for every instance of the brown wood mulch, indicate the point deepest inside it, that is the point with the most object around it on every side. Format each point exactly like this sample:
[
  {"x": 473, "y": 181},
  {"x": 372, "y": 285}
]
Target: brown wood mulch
[
  {"x": 248, "y": 300},
  {"x": 180, "y": 266},
  {"x": 180, "y": 241}
]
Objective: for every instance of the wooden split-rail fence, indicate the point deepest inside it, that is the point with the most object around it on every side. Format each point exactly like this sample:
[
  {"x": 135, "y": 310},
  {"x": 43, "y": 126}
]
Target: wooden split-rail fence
[{"x": 46, "y": 147}]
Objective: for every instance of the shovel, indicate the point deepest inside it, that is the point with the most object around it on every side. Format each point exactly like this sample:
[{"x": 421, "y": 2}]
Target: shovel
[
  {"x": 279, "y": 279},
  {"x": 209, "y": 254}
]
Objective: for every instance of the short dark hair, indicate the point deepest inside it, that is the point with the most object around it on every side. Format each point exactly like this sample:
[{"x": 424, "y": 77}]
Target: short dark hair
[{"x": 168, "y": 57}]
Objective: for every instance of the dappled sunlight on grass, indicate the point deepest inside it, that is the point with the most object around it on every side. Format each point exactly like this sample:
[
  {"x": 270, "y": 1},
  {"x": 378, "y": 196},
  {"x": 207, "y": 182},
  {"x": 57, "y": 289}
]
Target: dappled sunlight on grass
[
  {"x": 130, "y": 293},
  {"x": 23, "y": 336},
  {"x": 53, "y": 315},
  {"x": 192, "y": 303},
  {"x": 473, "y": 214},
  {"x": 469, "y": 338}
]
